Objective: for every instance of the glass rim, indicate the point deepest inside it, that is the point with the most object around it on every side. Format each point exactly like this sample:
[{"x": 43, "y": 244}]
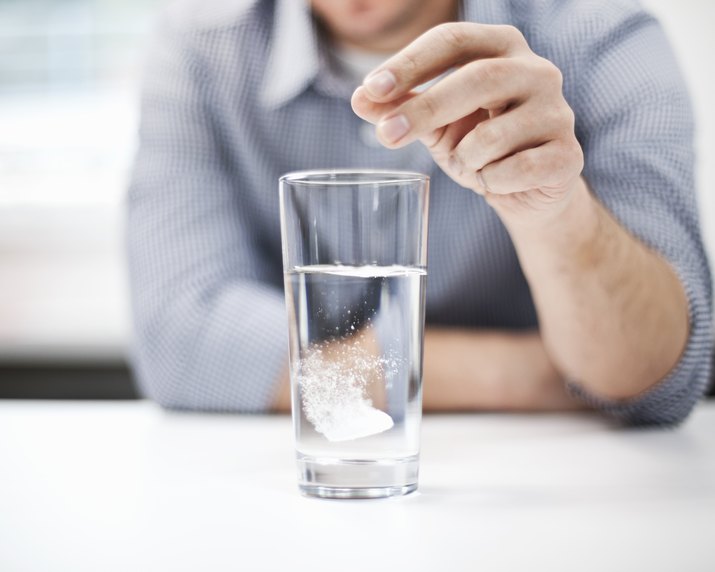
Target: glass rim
[{"x": 380, "y": 176}]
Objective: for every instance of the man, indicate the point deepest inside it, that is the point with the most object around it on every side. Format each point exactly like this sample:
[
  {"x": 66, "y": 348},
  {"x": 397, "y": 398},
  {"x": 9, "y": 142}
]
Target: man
[{"x": 566, "y": 265}]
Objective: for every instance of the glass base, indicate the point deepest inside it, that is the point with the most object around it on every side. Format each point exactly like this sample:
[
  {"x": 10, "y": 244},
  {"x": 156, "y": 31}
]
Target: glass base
[{"x": 357, "y": 479}]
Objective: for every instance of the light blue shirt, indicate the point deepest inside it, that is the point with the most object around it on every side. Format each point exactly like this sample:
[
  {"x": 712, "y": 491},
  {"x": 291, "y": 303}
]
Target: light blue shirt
[{"x": 237, "y": 93}]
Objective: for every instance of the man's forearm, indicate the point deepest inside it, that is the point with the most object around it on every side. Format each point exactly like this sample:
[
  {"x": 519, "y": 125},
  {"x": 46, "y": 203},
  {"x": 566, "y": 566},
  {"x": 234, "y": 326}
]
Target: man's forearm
[
  {"x": 613, "y": 314},
  {"x": 483, "y": 370},
  {"x": 470, "y": 370}
]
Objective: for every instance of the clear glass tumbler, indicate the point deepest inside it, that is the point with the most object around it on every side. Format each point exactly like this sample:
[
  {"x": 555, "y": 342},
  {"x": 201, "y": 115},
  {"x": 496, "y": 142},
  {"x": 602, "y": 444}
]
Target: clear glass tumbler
[{"x": 355, "y": 267}]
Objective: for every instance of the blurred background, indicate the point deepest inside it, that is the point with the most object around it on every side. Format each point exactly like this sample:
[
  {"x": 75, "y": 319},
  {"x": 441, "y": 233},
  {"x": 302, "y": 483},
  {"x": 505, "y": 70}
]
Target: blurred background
[
  {"x": 69, "y": 80},
  {"x": 69, "y": 74}
]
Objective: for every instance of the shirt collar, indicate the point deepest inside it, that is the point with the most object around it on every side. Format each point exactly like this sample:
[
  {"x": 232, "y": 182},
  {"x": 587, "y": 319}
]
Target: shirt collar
[{"x": 294, "y": 59}]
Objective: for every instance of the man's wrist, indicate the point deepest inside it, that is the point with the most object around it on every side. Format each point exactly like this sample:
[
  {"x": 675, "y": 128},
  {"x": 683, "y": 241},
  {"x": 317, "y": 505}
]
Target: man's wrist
[{"x": 570, "y": 230}]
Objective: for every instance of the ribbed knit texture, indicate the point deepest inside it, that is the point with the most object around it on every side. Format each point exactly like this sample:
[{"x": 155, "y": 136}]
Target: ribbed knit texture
[{"x": 203, "y": 217}]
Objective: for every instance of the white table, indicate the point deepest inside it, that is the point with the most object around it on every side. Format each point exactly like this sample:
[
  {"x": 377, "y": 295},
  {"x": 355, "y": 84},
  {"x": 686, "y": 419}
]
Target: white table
[{"x": 125, "y": 486}]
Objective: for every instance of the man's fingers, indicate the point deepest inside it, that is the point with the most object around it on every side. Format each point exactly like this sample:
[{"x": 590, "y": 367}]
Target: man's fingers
[
  {"x": 441, "y": 142},
  {"x": 549, "y": 166},
  {"x": 372, "y": 111},
  {"x": 521, "y": 128},
  {"x": 436, "y": 51},
  {"x": 481, "y": 84}
]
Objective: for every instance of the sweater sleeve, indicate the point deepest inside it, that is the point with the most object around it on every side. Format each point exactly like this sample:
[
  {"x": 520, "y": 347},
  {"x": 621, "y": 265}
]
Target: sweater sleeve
[
  {"x": 209, "y": 315},
  {"x": 635, "y": 124}
]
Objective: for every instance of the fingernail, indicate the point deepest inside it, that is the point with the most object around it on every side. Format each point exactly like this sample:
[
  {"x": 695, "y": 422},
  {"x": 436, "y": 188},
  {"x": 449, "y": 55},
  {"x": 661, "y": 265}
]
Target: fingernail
[
  {"x": 394, "y": 128},
  {"x": 380, "y": 84}
]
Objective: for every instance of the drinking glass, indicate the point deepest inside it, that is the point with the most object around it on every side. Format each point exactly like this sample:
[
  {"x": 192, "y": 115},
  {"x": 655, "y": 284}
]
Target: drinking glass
[{"x": 355, "y": 268}]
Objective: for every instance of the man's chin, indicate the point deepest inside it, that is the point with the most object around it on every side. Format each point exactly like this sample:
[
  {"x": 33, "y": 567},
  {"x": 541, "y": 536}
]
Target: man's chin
[
  {"x": 372, "y": 33},
  {"x": 373, "y": 26}
]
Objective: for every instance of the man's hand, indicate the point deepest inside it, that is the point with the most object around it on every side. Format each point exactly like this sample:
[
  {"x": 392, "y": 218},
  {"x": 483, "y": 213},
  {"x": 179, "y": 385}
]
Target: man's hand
[
  {"x": 613, "y": 315},
  {"x": 498, "y": 124}
]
